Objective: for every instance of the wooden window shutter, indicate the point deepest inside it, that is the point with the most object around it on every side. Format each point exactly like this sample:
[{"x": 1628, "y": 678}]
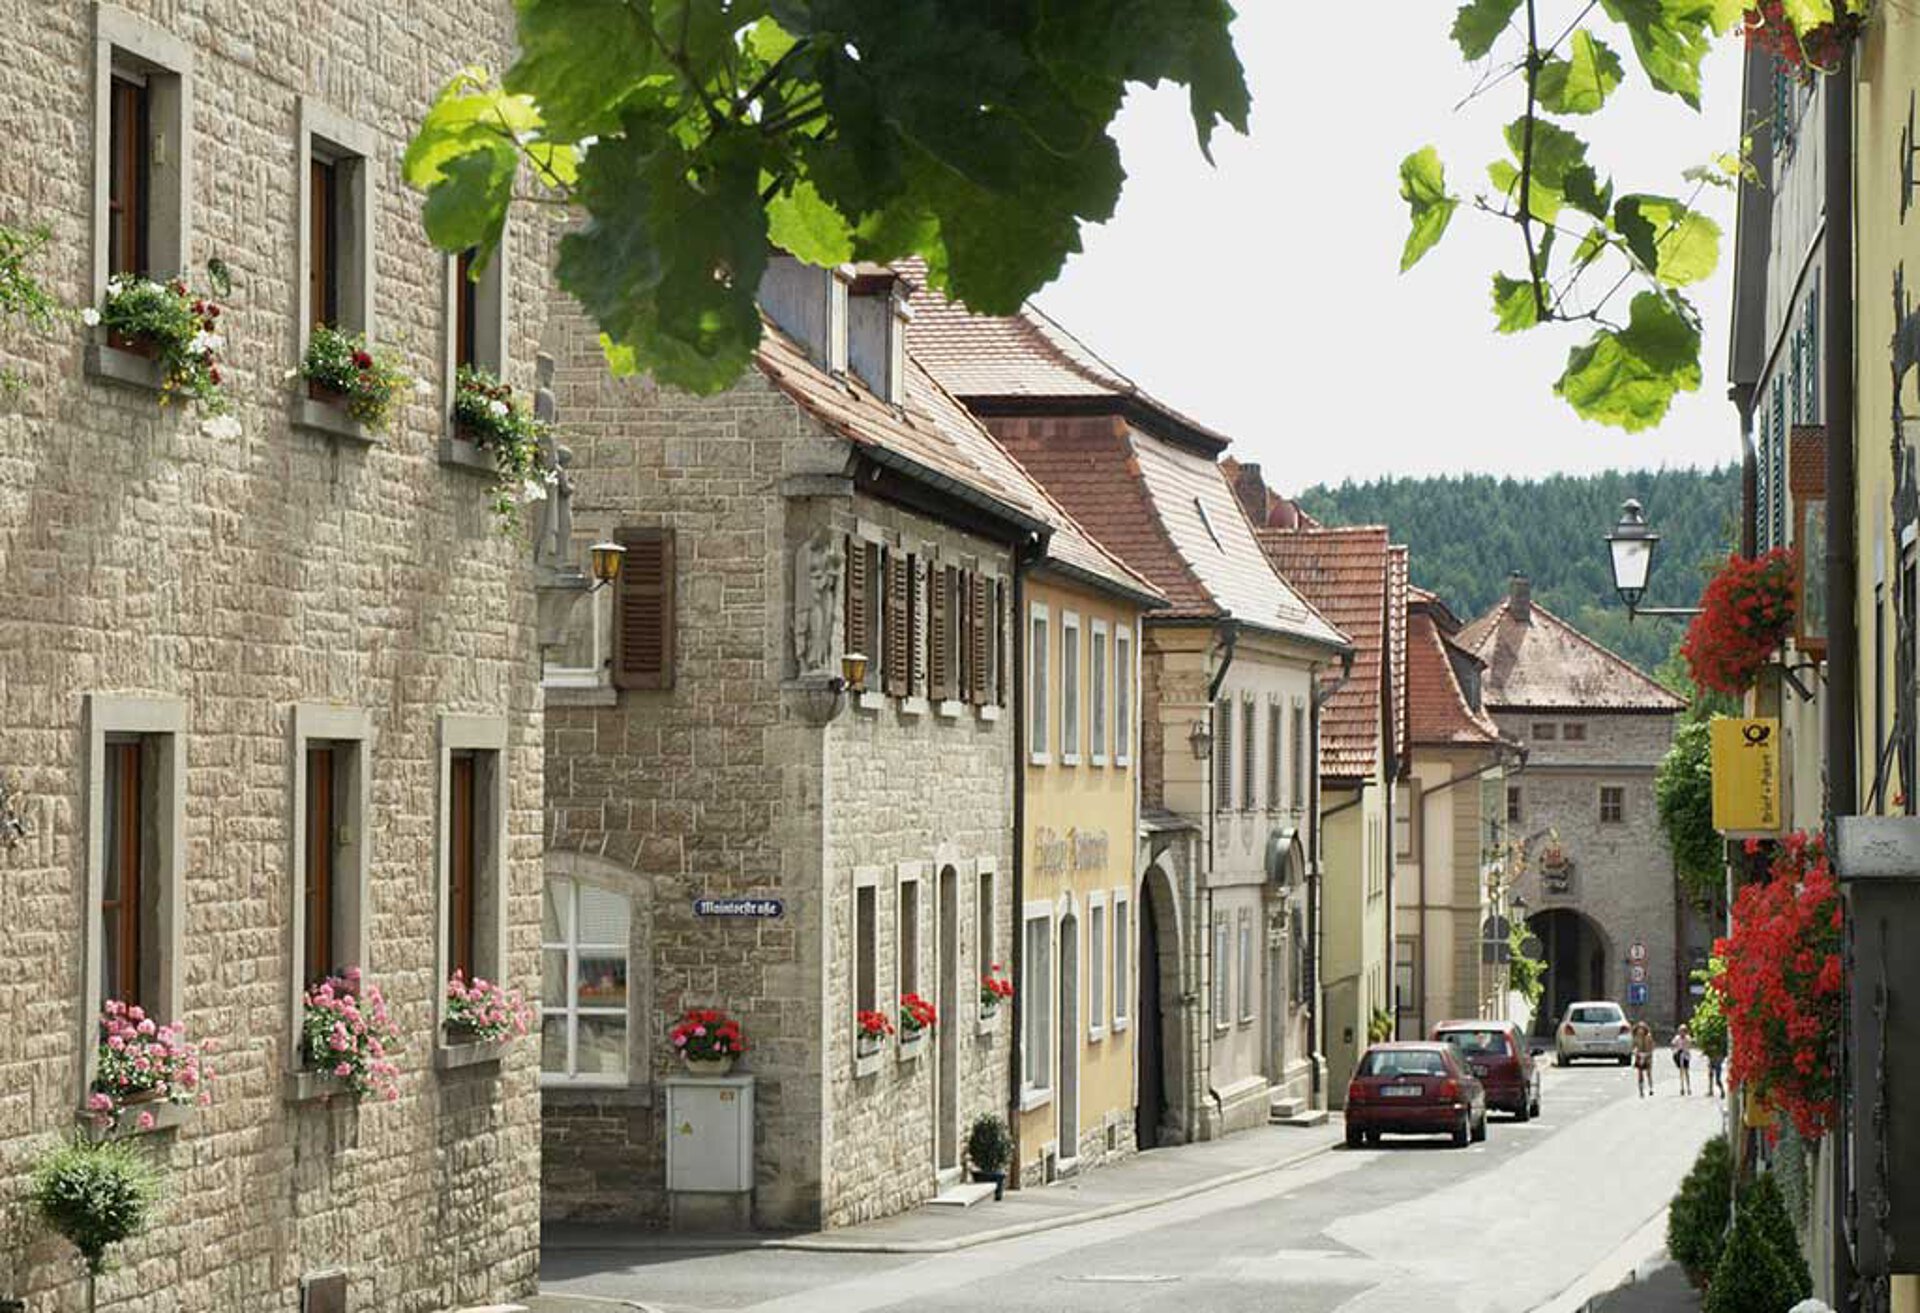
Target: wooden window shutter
[
  {"x": 1000, "y": 655},
  {"x": 855, "y": 636},
  {"x": 939, "y": 656},
  {"x": 961, "y": 602},
  {"x": 899, "y": 623},
  {"x": 644, "y": 635},
  {"x": 982, "y": 634},
  {"x": 916, "y": 629}
]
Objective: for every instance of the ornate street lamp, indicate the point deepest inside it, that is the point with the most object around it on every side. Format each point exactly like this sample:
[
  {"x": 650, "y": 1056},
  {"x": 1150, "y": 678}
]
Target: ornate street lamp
[
  {"x": 606, "y": 556},
  {"x": 1631, "y": 545}
]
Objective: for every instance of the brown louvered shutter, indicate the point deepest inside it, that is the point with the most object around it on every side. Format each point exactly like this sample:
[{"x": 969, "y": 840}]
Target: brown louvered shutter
[
  {"x": 916, "y": 630},
  {"x": 899, "y": 627},
  {"x": 937, "y": 647},
  {"x": 858, "y": 621},
  {"x": 643, "y": 640},
  {"x": 961, "y": 603},
  {"x": 1001, "y": 657},
  {"x": 982, "y": 634}
]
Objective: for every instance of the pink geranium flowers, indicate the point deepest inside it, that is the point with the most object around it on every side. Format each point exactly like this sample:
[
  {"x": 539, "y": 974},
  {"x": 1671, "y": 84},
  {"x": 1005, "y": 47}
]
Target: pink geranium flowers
[
  {"x": 141, "y": 1060},
  {"x": 484, "y": 1009},
  {"x": 346, "y": 1034}
]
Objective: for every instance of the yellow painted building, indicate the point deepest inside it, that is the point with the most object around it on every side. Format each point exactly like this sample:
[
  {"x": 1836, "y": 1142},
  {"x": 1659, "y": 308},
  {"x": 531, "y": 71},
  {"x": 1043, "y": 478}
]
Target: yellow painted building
[{"x": 1078, "y": 981}]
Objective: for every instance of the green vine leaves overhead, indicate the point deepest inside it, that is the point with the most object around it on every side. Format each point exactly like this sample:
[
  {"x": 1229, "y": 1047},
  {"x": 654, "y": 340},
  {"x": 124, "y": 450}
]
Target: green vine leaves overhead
[
  {"x": 1594, "y": 254},
  {"x": 695, "y": 135}
]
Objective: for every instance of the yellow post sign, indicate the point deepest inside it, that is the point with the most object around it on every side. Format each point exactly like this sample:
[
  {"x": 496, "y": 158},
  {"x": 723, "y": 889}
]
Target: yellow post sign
[{"x": 1746, "y": 775}]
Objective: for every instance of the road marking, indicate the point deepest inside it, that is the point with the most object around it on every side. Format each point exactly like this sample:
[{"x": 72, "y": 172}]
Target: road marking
[{"x": 1125, "y": 1279}]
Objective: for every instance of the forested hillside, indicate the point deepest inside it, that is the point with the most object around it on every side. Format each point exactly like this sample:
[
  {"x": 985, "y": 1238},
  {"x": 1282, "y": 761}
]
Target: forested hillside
[{"x": 1468, "y": 533}]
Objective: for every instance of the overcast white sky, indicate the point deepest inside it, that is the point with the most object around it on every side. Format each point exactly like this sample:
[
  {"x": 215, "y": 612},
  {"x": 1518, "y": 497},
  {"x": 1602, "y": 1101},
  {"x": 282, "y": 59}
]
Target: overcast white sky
[{"x": 1263, "y": 296}]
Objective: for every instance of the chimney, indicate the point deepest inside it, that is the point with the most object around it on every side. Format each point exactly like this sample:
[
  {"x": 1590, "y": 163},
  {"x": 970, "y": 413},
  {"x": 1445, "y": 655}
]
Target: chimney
[
  {"x": 809, "y": 305},
  {"x": 1251, "y": 489},
  {"x": 1520, "y": 597},
  {"x": 877, "y": 316}
]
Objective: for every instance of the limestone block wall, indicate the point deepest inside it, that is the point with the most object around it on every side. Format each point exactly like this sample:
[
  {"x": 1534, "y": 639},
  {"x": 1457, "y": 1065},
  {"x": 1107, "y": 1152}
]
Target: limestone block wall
[{"x": 141, "y": 556}]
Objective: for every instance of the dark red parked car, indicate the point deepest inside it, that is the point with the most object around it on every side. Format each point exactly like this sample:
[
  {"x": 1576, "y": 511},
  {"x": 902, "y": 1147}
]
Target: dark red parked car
[
  {"x": 1414, "y": 1089},
  {"x": 1496, "y": 1052}
]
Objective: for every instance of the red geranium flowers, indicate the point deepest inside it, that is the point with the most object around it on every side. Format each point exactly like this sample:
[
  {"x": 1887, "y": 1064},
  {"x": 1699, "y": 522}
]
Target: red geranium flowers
[
  {"x": 916, "y": 1015},
  {"x": 707, "y": 1033},
  {"x": 1746, "y": 613}
]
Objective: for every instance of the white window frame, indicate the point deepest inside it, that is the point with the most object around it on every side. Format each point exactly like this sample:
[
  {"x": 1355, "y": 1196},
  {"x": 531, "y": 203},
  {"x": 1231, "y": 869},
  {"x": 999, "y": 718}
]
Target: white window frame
[
  {"x": 126, "y": 43},
  {"x": 1070, "y": 685},
  {"x": 1099, "y": 965},
  {"x": 1247, "y": 967},
  {"x": 1124, "y": 695},
  {"x": 1222, "y": 973},
  {"x": 1039, "y": 664},
  {"x": 865, "y": 878},
  {"x": 1099, "y": 677},
  {"x": 1249, "y": 754},
  {"x": 1037, "y": 1008},
  {"x": 908, "y": 875},
  {"x": 571, "y": 1009},
  {"x": 308, "y": 723},
  {"x": 1121, "y": 977},
  {"x": 1601, "y": 810},
  {"x": 164, "y": 721},
  {"x": 324, "y": 132},
  {"x": 478, "y": 735}
]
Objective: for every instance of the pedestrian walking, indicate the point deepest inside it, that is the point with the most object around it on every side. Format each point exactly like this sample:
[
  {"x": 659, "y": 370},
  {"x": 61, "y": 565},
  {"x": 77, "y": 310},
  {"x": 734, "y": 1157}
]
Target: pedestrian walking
[
  {"x": 1643, "y": 1058},
  {"x": 1716, "y": 1085},
  {"x": 1683, "y": 1058}
]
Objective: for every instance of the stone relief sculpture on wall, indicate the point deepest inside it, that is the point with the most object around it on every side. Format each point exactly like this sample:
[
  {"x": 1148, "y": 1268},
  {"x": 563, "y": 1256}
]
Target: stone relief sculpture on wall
[{"x": 816, "y": 598}]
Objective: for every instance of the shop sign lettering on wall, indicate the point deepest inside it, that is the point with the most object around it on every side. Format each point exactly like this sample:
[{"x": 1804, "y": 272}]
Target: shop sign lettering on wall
[{"x": 1076, "y": 850}]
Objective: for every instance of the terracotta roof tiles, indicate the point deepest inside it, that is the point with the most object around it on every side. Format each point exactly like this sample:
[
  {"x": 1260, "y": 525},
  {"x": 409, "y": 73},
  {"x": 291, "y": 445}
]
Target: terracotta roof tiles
[{"x": 1536, "y": 660}]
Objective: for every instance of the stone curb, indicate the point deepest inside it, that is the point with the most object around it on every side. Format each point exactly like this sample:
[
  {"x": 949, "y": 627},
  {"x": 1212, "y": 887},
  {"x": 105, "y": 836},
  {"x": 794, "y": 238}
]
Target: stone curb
[
  {"x": 1624, "y": 1263},
  {"x": 567, "y": 1303},
  {"x": 827, "y": 1244}
]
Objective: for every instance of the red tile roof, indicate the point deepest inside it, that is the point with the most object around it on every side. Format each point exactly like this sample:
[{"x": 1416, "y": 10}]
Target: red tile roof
[
  {"x": 1346, "y": 573},
  {"x": 1438, "y": 713},
  {"x": 1537, "y": 661}
]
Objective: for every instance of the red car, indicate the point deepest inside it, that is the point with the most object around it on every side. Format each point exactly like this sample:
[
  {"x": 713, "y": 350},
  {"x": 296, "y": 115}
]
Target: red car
[
  {"x": 1414, "y": 1089},
  {"x": 1497, "y": 1054}
]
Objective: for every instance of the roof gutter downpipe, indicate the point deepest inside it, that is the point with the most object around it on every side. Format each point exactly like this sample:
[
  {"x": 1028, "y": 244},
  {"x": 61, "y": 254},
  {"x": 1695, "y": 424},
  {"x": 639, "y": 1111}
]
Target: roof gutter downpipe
[
  {"x": 1321, "y": 697},
  {"x": 1229, "y": 641}
]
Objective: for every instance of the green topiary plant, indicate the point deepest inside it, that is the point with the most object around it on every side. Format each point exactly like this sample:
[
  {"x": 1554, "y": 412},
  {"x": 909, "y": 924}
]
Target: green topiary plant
[
  {"x": 96, "y": 1193},
  {"x": 1697, "y": 1218},
  {"x": 1768, "y": 1207},
  {"x": 989, "y": 1144},
  {"x": 1751, "y": 1276}
]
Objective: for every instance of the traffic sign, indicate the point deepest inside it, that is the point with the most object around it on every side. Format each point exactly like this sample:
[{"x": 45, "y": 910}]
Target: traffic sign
[
  {"x": 1637, "y": 974},
  {"x": 1637, "y": 995},
  {"x": 1637, "y": 952}
]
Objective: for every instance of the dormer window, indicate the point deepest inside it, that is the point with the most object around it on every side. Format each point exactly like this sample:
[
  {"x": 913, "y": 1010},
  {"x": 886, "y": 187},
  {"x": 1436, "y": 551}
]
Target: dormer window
[{"x": 809, "y": 305}]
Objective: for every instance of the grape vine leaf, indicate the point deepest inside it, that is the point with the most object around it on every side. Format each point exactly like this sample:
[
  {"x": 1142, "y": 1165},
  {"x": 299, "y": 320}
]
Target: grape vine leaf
[
  {"x": 1479, "y": 24},
  {"x": 1580, "y": 83},
  {"x": 690, "y": 133},
  {"x": 1514, "y": 305},
  {"x": 1628, "y": 377},
  {"x": 1423, "y": 185},
  {"x": 1678, "y": 245},
  {"x": 1671, "y": 38}
]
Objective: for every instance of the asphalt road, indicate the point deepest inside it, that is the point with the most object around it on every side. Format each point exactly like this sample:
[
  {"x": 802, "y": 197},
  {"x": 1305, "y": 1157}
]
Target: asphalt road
[{"x": 1500, "y": 1227}]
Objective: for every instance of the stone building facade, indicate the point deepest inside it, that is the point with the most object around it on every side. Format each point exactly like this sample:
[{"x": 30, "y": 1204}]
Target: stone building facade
[
  {"x": 833, "y": 501},
  {"x": 1229, "y": 684},
  {"x": 195, "y": 615},
  {"x": 1599, "y": 883}
]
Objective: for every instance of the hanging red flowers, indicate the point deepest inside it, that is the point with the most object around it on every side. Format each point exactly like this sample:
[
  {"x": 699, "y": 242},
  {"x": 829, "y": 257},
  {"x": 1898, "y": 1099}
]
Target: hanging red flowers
[
  {"x": 1814, "y": 49},
  {"x": 1783, "y": 984},
  {"x": 1745, "y": 615}
]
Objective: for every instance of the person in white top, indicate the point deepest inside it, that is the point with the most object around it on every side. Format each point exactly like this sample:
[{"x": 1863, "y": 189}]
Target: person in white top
[{"x": 1683, "y": 1058}]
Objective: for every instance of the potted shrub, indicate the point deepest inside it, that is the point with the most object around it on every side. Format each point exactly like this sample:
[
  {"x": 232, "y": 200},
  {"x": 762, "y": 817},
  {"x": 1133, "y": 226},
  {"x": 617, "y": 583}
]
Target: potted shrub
[
  {"x": 708, "y": 1041},
  {"x": 141, "y": 1062},
  {"x": 1751, "y": 1276},
  {"x": 346, "y": 1035},
  {"x": 917, "y": 1017},
  {"x": 1697, "y": 1217},
  {"x": 995, "y": 989},
  {"x": 487, "y": 413},
  {"x": 871, "y": 1029},
  {"x": 989, "y": 1150},
  {"x": 481, "y": 1011},
  {"x": 95, "y": 1193},
  {"x": 342, "y": 370},
  {"x": 168, "y": 324},
  {"x": 1745, "y": 615}
]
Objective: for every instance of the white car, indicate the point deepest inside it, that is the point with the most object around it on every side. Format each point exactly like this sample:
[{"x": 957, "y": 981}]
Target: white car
[{"x": 1593, "y": 1029}]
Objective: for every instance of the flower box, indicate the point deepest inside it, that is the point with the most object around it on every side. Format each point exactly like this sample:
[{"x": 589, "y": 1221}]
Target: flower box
[
  {"x": 134, "y": 344},
  {"x": 326, "y": 396}
]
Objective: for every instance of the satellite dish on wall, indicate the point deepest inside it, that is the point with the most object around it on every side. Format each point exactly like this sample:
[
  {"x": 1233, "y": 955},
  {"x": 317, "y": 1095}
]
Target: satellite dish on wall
[{"x": 1286, "y": 858}]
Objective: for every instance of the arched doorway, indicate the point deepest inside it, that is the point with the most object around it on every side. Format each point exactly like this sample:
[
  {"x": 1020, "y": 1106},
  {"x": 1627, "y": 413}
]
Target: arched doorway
[
  {"x": 1159, "y": 1114},
  {"x": 1067, "y": 1099},
  {"x": 1577, "y": 956}
]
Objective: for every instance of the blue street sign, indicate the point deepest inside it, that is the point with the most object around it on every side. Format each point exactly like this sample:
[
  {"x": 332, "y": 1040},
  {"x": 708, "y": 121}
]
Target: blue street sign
[
  {"x": 748, "y": 907},
  {"x": 1637, "y": 995}
]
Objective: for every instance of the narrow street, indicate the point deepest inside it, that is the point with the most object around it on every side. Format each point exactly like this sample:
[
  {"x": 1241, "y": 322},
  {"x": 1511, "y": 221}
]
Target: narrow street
[{"x": 1500, "y": 1227}]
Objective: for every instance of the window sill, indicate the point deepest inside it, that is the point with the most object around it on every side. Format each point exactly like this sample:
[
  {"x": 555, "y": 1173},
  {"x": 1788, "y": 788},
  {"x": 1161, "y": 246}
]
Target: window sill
[
  {"x": 1039, "y": 759},
  {"x": 1120, "y": 1024},
  {"x": 1123, "y": 762},
  {"x": 1031, "y": 1099},
  {"x": 314, "y": 1087},
  {"x": 166, "y": 1117},
  {"x": 909, "y": 1050},
  {"x": 1069, "y": 759},
  {"x": 1099, "y": 758},
  {"x": 108, "y": 364},
  {"x": 870, "y": 701},
  {"x": 915, "y": 706},
  {"x": 469, "y": 1053},
  {"x": 462, "y": 454},
  {"x": 1246, "y": 1021},
  {"x": 866, "y": 1064},
  {"x": 579, "y": 695},
  {"x": 1096, "y": 1034},
  {"x": 988, "y": 1022},
  {"x": 319, "y": 417},
  {"x": 950, "y": 709},
  {"x": 582, "y": 1094},
  {"x": 989, "y": 713}
]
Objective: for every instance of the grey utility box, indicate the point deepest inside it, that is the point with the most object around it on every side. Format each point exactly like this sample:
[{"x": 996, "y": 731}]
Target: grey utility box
[{"x": 709, "y": 1127}]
